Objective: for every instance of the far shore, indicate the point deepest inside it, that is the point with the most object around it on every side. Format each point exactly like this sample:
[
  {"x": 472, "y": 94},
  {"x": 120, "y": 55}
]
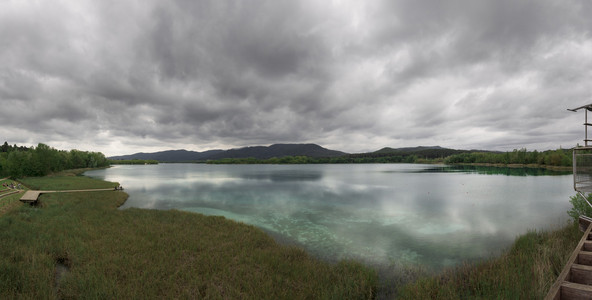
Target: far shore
[{"x": 533, "y": 166}]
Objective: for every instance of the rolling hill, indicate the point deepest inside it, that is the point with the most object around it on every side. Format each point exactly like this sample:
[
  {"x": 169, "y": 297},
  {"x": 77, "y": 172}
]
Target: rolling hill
[
  {"x": 283, "y": 150},
  {"x": 259, "y": 152}
]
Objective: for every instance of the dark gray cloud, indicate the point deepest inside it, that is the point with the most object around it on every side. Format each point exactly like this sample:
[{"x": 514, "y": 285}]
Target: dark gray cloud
[{"x": 124, "y": 76}]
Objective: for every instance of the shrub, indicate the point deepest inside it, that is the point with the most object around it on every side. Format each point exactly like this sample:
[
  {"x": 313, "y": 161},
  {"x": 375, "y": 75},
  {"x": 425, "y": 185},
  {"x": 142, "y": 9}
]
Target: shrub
[{"x": 581, "y": 207}]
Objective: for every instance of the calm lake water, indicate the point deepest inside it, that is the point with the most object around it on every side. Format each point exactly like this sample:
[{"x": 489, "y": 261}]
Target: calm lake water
[{"x": 432, "y": 215}]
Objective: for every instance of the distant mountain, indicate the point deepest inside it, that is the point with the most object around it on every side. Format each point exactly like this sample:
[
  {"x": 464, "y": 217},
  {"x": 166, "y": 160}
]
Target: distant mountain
[
  {"x": 407, "y": 149},
  {"x": 421, "y": 151},
  {"x": 279, "y": 150},
  {"x": 259, "y": 152},
  {"x": 170, "y": 155}
]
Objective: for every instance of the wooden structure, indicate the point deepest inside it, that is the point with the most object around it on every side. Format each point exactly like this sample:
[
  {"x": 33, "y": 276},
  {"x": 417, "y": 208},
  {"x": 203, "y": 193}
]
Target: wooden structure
[
  {"x": 575, "y": 280},
  {"x": 586, "y": 108},
  {"x": 582, "y": 160},
  {"x": 31, "y": 196},
  {"x": 582, "y": 170}
]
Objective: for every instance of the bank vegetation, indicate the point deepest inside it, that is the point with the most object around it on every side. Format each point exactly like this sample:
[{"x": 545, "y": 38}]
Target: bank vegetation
[
  {"x": 18, "y": 161},
  {"x": 79, "y": 245},
  {"x": 516, "y": 158}
]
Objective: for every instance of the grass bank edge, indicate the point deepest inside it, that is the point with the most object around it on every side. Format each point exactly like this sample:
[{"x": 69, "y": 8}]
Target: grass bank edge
[
  {"x": 110, "y": 252},
  {"x": 526, "y": 270}
]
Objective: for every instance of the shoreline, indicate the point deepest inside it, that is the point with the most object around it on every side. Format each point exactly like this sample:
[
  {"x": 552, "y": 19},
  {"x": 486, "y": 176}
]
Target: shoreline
[
  {"x": 394, "y": 277},
  {"x": 393, "y": 280},
  {"x": 517, "y": 166},
  {"x": 187, "y": 255}
]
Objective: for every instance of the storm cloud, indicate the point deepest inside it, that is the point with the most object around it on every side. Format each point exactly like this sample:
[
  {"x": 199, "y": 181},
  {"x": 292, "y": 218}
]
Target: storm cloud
[{"x": 128, "y": 76}]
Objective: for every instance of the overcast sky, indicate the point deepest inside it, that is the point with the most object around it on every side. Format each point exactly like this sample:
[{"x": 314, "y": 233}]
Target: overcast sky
[{"x": 122, "y": 77}]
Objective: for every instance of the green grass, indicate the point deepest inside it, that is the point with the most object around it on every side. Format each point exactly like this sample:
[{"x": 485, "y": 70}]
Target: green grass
[
  {"x": 525, "y": 271},
  {"x": 5, "y": 181},
  {"x": 137, "y": 253},
  {"x": 66, "y": 182},
  {"x": 150, "y": 254},
  {"x": 8, "y": 201}
]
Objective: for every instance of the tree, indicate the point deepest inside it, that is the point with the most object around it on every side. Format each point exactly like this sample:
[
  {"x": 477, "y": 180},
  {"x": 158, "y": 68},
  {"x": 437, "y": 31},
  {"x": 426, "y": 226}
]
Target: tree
[{"x": 19, "y": 162}]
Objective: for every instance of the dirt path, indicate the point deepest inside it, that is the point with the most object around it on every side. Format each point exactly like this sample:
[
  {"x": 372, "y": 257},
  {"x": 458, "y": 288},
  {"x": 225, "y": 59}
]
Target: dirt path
[{"x": 10, "y": 193}]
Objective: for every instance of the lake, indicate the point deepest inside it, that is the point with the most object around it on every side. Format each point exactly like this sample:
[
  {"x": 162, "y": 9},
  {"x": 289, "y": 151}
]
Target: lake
[{"x": 432, "y": 215}]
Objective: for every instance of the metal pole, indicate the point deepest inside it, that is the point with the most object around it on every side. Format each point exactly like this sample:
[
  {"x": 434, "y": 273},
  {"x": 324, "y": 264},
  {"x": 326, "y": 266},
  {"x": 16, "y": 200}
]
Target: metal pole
[
  {"x": 575, "y": 170},
  {"x": 585, "y": 198},
  {"x": 586, "y": 126}
]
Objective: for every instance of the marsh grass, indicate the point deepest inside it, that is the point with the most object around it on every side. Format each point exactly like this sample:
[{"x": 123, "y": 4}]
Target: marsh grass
[
  {"x": 66, "y": 181},
  {"x": 525, "y": 271},
  {"x": 9, "y": 203},
  {"x": 78, "y": 245}
]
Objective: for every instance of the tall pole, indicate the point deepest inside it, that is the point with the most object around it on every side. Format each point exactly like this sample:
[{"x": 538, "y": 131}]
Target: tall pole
[{"x": 586, "y": 126}]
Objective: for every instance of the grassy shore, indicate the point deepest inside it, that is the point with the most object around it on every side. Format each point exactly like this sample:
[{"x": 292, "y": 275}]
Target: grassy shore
[
  {"x": 8, "y": 199},
  {"x": 78, "y": 245},
  {"x": 525, "y": 271},
  {"x": 533, "y": 166}
]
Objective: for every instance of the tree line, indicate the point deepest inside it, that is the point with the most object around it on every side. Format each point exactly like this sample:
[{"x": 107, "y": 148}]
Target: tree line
[
  {"x": 559, "y": 157},
  {"x": 18, "y": 162},
  {"x": 133, "y": 162},
  {"x": 317, "y": 160},
  {"x": 427, "y": 153}
]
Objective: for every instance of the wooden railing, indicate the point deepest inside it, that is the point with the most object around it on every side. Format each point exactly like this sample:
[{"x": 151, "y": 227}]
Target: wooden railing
[{"x": 575, "y": 280}]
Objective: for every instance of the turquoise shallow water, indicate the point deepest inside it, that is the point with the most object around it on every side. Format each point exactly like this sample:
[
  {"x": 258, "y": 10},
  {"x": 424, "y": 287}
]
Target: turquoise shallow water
[{"x": 432, "y": 215}]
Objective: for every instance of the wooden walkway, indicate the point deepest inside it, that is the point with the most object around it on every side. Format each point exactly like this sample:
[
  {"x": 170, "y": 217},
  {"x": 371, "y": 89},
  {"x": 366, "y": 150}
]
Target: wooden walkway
[
  {"x": 575, "y": 281},
  {"x": 31, "y": 196}
]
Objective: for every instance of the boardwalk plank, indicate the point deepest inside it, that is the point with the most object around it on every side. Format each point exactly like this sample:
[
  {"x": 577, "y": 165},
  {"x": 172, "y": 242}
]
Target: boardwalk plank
[
  {"x": 575, "y": 291},
  {"x": 558, "y": 290},
  {"x": 32, "y": 196},
  {"x": 581, "y": 274}
]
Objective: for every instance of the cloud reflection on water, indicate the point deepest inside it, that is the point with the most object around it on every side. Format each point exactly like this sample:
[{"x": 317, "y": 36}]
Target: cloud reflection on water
[{"x": 378, "y": 213}]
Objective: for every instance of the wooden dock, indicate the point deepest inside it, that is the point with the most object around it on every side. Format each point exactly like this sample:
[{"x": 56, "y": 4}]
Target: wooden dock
[
  {"x": 31, "y": 196},
  {"x": 575, "y": 281}
]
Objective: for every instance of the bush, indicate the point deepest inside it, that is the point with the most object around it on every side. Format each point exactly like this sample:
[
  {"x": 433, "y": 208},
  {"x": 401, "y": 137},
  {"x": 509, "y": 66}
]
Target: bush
[{"x": 581, "y": 207}]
